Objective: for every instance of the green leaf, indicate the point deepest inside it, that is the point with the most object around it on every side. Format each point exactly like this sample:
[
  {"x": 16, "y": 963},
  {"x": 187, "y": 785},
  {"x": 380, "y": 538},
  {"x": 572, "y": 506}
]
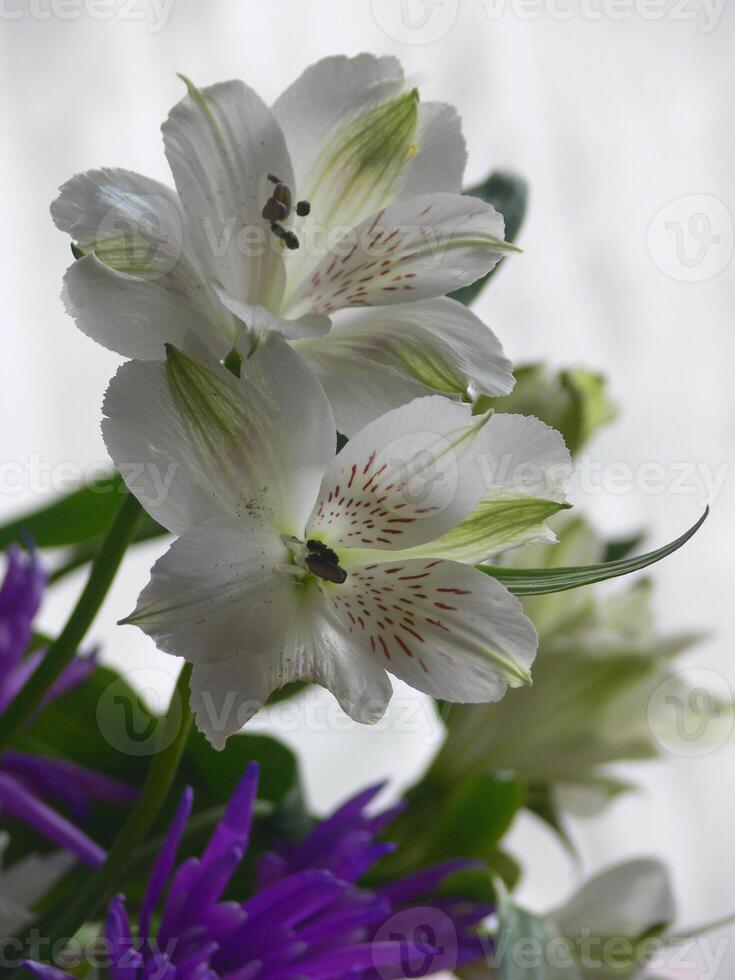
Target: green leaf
[
  {"x": 214, "y": 774},
  {"x": 468, "y": 820},
  {"x": 527, "y": 947},
  {"x": 78, "y": 519},
  {"x": 574, "y": 401},
  {"x": 105, "y": 726},
  {"x": 618, "y": 548},
  {"x": 540, "y": 581},
  {"x": 508, "y": 194},
  {"x": 78, "y": 516},
  {"x": 540, "y": 799},
  {"x": 475, "y": 817}
]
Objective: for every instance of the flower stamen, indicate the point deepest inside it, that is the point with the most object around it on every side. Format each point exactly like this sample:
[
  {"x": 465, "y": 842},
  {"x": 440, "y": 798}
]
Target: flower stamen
[
  {"x": 324, "y": 562},
  {"x": 277, "y": 209}
]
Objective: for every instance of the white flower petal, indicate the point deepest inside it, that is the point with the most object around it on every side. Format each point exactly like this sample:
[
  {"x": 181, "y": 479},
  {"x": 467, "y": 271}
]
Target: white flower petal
[
  {"x": 524, "y": 465},
  {"x": 222, "y": 142},
  {"x": 376, "y": 359},
  {"x": 359, "y": 140},
  {"x": 149, "y": 445},
  {"x": 193, "y": 442},
  {"x": 215, "y": 593},
  {"x": 216, "y": 599},
  {"x": 441, "y": 153},
  {"x": 137, "y": 317},
  {"x": 522, "y": 456},
  {"x": 257, "y": 321},
  {"x": 226, "y": 695},
  {"x": 625, "y": 901},
  {"x": 134, "y": 224},
  {"x": 416, "y": 249},
  {"x": 136, "y": 227},
  {"x": 443, "y": 627},
  {"x": 403, "y": 480}
]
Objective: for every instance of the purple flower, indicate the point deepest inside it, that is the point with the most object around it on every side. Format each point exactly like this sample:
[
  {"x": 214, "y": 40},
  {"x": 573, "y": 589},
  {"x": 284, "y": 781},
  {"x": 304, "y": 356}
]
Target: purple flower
[
  {"x": 309, "y": 919},
  {"x": 30, "y": 783}
]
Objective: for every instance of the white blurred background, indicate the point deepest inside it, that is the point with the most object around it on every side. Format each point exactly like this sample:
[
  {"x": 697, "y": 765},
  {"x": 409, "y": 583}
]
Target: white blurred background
[{"x": 612, "y": 109}]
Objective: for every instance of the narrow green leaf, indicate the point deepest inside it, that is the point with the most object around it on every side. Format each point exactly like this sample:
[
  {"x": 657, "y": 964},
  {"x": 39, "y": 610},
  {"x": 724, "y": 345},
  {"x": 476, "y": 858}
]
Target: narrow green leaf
[
  {"x": 540, "y": 581},
  {"x": 86, "y": 513},
  {"x": 77, "y": 521},
  {"x": 508, "y": 194}
]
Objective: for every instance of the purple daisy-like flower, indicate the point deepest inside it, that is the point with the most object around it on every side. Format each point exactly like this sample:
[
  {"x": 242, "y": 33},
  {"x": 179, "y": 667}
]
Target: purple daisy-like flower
[
  {"x": 29, "y": 783},
  {"x": 309, "y": 920},
  {"x": 345, "y": 844}
]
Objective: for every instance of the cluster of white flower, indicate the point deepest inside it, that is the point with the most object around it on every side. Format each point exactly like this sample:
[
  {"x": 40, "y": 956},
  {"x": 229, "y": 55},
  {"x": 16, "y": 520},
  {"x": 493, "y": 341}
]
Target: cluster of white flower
[{"x": 291, "y": 288}]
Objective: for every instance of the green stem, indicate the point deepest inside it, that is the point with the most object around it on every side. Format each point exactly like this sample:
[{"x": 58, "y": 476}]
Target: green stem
[
  {"x": 61, "y": 652},
  {"x": 161, "y": 773}
]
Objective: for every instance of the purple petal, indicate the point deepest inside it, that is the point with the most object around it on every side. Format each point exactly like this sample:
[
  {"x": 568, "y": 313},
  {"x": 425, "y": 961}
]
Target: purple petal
[
  {"x": 46, "y": 972},
  {"x": 20, "y": 597},
  {"x": 209, "y": 887},
  {"x": 270, "y": 868},
  {"x": 322, "y": 837},
  {"x": 424, "y": 882},
  {"x": 44, "y": 778},
  {"x": 22, "y": 805},
  {"x": 164, "y": 863},
  {"x": 16, "y": 677},
  {"x": 75, "y": 674},
  {"x": 366, "y": 956},
  {"x": 126, "y": 960},
  {"x": 234, "y": 827}
]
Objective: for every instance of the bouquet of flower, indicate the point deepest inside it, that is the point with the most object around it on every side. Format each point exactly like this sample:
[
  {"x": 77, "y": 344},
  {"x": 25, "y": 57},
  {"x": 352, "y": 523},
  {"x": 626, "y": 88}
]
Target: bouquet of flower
[{"x": 356, "y": 486}]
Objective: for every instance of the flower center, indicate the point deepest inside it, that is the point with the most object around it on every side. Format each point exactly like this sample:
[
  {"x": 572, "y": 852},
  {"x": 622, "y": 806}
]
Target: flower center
[
  {"x": 324, "y": 562},
  {"x": 278, "y": 208},
  {"x": 315, "y": 557}
]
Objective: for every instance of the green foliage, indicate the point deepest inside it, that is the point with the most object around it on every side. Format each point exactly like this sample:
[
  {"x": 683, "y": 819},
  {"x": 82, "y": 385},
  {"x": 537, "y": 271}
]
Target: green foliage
[
  {"x": 467, "y": 820},
  {"x": 77, "y": 521},
  {"x": 508, "y": 194},
  {"x": 527, "y": 946},
  {"x": 573, "y": 400},
  {"x": 541, "y": 581},
  {"x": 100, "y": 723}
]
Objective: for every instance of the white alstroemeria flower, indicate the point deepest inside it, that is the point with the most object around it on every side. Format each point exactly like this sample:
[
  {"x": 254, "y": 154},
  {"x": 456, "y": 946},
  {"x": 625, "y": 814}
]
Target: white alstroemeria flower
[
  {"x": 608, "y": 920},
  {"x": 24, "y": 883},
  {"x": 358, "y": 286},
  {"x": 298, "y": 564}
]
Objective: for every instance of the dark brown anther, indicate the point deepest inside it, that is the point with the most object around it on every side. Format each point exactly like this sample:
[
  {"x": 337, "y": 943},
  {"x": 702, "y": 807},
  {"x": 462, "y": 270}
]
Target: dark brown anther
[
  {"x": 323, "y": 550},
  {"x": 274, "y": 210},
  {"x": 274, "y": 180},
  {"x": 282, "y": 194},
  {"x": 323, "y": 568},
  {"x": 303, "y": 208},
  {"x": 287, "y": 237}
]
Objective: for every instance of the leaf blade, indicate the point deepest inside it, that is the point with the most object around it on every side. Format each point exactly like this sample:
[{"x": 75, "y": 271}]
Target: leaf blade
[{"x": 541, "y": 581}]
